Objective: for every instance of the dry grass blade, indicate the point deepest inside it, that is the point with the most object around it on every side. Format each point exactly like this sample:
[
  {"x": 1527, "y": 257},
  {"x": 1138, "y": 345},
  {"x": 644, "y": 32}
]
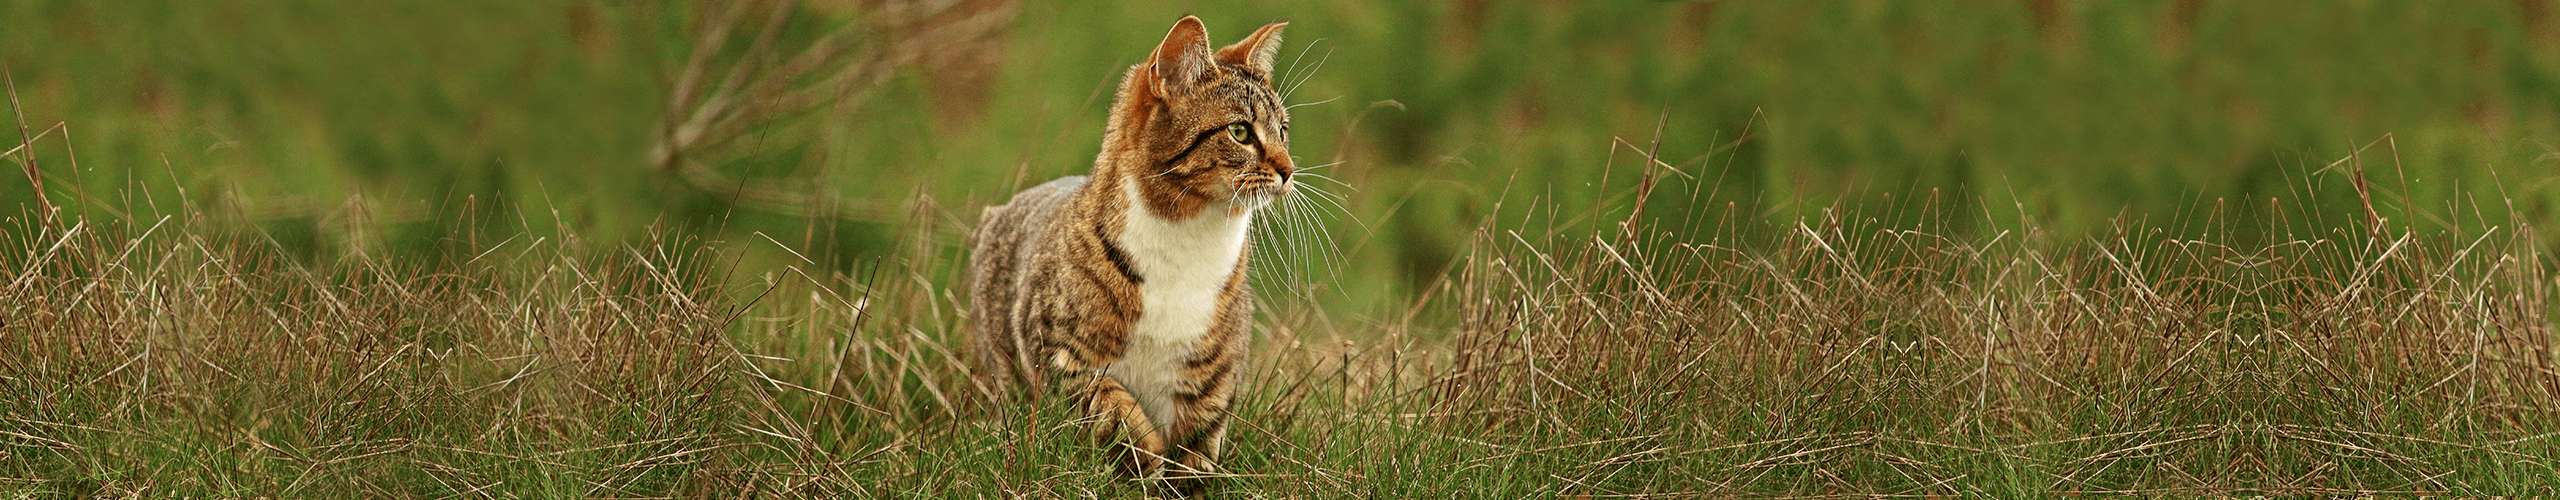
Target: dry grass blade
[
  {"x": 26, "y": 143},
  {"x": 769, "y": 82}
]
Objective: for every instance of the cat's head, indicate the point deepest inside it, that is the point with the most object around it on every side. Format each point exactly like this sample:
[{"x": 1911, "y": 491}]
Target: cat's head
[{"x": 1200, "y": 128}]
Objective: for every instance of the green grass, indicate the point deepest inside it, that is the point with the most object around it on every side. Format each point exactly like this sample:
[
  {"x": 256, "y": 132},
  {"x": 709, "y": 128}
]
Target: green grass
[
  {"x": 296, "y": 115},
  {"x": 1834, "y": 358},
  {"x": 2159, "y": 248}
]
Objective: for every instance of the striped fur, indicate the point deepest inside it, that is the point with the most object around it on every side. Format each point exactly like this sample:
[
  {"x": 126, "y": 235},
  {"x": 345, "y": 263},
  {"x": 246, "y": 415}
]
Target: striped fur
[{"x": 1125, "y": 288}]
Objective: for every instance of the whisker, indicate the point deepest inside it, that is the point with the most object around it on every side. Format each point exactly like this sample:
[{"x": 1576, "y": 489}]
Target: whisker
[
  {"x": 1263, "y": 248},
  {"x": 1304, "y": 226},
  {"x": 1334, "y": 248},
  {"x": 1302, "y": 55},
  {"x": 1329, "y": 164},
  {"x": 1330, "y": 252},
  {"x": 1311, "y": 75},
  {"x": 1301, "y": 243},
  {"x": 1320, "y": 192},
  {"x": 1321, "y": 177},
  {"x": 1282, "y": 236},
  {"x": 1305, "y": 104},
  {"x": 1336, "y": 202},
  {"x": 1288, "y": 245}
]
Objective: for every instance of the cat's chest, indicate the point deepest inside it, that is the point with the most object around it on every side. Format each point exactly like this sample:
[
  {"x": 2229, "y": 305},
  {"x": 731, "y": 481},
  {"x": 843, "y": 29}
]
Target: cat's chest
[{"x": 1184, "y": 266}]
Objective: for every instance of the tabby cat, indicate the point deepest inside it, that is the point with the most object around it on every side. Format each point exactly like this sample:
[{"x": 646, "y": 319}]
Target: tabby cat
[{"x": 1125, "y": 289}]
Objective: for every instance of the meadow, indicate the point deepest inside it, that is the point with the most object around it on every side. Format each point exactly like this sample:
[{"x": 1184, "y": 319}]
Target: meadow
[{"x": 1596, "y": 249}]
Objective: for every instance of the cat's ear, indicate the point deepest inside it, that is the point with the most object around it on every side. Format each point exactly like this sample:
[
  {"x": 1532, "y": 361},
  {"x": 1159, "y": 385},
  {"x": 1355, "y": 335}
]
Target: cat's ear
[
  {"x": 1256, "y": 51},
  {"x": 1182, "y": 60}
]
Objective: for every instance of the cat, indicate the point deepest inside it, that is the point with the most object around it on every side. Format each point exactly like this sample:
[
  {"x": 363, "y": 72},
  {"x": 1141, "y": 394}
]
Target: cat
[{"x": 1125, "y": 288}]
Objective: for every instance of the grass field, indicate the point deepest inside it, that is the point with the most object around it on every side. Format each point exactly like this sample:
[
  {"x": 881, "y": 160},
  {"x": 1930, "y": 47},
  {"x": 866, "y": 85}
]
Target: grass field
[
  {"x": 1837, "y": 358},
  {"x": 1607, "y": 249}
]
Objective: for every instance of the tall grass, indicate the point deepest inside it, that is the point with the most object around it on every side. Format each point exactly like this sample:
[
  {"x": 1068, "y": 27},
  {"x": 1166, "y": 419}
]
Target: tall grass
[
  {"x": 1853, "y": 358},
  {"x": 1838, "y": 355}
]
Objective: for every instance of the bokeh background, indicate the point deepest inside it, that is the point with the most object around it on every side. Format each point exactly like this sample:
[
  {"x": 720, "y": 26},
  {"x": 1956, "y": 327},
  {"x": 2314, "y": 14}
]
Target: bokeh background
[{"x": 388, "y": 127}]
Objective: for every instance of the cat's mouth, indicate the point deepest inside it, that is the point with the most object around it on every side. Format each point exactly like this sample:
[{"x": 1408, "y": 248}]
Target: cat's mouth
[{"x": 1258, "y": 189}]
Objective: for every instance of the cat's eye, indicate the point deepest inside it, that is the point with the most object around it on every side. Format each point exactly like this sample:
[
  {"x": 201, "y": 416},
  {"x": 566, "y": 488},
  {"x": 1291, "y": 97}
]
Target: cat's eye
[{"x": 1240, "y": 133}]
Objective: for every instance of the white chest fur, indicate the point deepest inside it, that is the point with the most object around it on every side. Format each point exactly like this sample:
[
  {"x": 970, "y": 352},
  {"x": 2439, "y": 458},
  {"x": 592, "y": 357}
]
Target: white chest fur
[{"x": 1183, "y": 265}]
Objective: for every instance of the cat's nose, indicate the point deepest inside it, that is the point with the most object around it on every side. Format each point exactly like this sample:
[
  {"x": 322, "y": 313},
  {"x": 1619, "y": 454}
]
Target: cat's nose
[{"x": 1281, "y": 163}]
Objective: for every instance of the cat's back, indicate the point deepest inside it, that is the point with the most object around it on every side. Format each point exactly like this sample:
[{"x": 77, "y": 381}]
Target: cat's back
[
  {"x": 1011, "y": 226},
  {"x": 1007, "y": 237}
]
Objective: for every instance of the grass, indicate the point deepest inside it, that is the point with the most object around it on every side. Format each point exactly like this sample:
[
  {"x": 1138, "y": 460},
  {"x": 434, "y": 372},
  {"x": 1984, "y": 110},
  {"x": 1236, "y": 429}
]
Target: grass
[
  {"x": 2136, "y": 280},
  {"x": 1833, "y": 356}
]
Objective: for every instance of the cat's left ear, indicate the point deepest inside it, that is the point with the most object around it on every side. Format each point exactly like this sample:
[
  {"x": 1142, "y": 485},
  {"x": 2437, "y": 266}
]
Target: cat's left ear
[{"x": 1256, "y": 51}]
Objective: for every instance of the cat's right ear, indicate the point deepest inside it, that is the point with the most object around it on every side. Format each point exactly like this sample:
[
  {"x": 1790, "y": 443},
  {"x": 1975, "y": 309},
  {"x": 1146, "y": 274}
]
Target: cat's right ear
[{"x": 1182, "y": 60}]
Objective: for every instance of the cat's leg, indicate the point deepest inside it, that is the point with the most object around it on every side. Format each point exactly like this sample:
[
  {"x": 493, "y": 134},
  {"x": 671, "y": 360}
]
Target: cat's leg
[
  {"x": 1081, "y": 325},
  {"x": 1198, "y": 431},
  {"x": 1112, "y": 412},
  {"x": 1118, "y": 422},
  {"x": 1199, "y": 450}
]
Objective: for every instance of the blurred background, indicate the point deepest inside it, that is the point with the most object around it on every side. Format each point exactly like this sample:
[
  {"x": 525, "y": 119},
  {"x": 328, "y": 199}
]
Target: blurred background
[{"x": 846, "y": 130}]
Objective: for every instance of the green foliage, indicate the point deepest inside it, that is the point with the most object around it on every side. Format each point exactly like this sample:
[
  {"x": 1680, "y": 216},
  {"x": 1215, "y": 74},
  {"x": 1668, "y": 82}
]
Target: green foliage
[
  {"x": 2006, "y": 249},
  {"x": 372, "y": 127}
]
